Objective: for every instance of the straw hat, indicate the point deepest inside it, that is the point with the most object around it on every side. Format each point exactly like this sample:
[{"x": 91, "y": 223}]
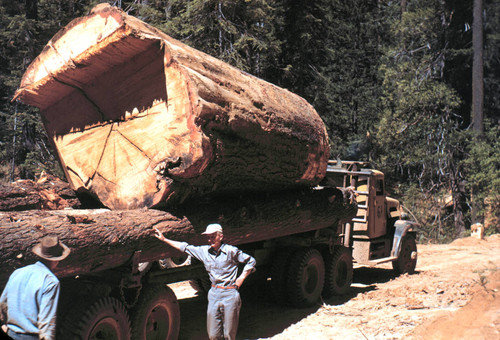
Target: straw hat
[{"x": 50, "y": 248}]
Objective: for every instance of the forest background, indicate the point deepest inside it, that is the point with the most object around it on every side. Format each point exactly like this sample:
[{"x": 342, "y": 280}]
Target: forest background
[{"x": 392, "y": 80}]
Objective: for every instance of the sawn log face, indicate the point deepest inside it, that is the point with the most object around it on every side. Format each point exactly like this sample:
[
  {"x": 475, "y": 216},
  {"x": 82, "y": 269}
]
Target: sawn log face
[
  {"x": 104, "y": 239},
  {"x": 139, "y": 119}
]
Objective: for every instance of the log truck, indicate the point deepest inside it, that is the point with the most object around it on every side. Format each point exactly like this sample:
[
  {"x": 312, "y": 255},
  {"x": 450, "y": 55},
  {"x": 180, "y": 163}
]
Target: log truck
[{"x": 160, "y": 134}]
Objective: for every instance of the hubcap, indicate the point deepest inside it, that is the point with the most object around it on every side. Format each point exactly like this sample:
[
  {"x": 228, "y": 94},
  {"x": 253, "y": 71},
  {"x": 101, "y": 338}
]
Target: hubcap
[{"x": 157, "y": 323}]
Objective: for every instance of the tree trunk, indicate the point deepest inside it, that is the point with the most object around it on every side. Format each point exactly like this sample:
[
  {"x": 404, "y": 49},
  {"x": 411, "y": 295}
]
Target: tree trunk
[
  {"x": 104, "y": 239},
  {"x": 140, "y": 119},
  {"x": 477, "y": 67},
  {"x": 457, "y": 191}
]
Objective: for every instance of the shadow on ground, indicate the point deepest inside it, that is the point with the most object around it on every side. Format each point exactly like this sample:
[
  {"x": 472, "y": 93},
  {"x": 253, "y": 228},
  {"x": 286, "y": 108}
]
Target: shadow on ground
[{"x": 262, "y": 318}]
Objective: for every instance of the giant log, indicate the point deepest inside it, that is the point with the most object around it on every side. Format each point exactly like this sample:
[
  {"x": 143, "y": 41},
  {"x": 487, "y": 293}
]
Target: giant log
[
  {"x": 103, "y": 239},
  {"x": 139, "y": 119},
  {"x": 46, "y": 193}
]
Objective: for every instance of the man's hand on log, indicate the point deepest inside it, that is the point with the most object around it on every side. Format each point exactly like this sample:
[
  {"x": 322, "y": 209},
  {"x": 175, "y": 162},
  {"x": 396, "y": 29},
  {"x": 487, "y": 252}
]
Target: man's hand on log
[
  {"x": 172, "y": 243},
  {"x": 159, "y": 235}
]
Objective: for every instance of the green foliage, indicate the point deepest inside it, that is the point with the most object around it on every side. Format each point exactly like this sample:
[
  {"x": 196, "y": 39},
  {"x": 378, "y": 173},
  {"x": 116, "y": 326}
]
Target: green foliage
[
  {"x": 431, "y": 211},
  {"x": 241, "y": 33},
  {"x": 417, "y": 140},
  {"x": 25, "y": 149},
  {"x": 482, "y": 171},
  {"x": 331, "y": 56}
]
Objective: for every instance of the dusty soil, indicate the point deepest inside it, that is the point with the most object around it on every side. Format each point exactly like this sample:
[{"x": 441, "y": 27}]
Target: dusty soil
[{"x": 454, "y": 294}]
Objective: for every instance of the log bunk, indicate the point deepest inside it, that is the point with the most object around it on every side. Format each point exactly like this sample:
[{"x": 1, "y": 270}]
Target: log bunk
[{"x": 164, "y": 135}]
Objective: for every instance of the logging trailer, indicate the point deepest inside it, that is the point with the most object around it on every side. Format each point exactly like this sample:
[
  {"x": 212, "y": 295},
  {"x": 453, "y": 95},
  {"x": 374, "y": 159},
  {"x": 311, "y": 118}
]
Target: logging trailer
[{"x": 298, "y": 268}]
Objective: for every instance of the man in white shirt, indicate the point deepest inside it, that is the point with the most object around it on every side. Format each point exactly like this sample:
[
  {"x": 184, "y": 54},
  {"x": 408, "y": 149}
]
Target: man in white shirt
[{"x": 221, "y": 262}]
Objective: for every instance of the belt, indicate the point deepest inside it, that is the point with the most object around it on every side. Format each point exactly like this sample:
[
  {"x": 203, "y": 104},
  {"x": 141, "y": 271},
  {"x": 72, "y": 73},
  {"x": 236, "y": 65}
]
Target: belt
[{"x": 225, "y": 287}]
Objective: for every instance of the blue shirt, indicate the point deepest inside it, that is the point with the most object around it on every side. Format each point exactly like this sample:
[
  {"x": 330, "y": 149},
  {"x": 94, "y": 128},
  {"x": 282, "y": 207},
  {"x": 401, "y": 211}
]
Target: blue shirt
[
  {"x": 31, "y": 297},
  {"x": 222, "y": 266}
]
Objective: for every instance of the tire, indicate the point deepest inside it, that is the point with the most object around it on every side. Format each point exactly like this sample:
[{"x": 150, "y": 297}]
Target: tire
[
  {"x": 306, "y": 275},
  {"x": 278, "y": 274},
  {"x": 174, "y": 262},
  {"x": 405, "y": 263},
  {"x": 338, "y": 272},
  {"x": 156, "y": 314},
  {"x": 105, "y": 318}
]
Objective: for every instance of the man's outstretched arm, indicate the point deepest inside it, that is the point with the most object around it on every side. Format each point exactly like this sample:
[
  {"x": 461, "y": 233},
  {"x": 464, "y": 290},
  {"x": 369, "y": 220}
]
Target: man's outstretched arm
[{"x": 172, "y": 243}]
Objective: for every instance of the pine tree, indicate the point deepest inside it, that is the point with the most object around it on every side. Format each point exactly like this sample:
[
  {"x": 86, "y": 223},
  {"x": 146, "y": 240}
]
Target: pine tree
[
  {"x": 330, "y": 57},
  {"x": 25, "y": 27},
  {"x": 418, "y": 137},
  {"x": 241, "y": 33}
]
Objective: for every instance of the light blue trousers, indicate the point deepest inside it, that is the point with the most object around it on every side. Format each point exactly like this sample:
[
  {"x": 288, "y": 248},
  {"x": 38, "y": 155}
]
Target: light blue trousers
[{"x": 223, "y": 313}]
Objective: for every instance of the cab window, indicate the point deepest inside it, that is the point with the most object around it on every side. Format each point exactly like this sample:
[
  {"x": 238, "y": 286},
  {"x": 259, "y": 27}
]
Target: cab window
[{"x": 379, "y": 187}]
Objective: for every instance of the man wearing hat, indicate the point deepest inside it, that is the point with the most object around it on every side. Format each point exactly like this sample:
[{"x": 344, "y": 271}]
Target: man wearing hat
[
  {"x": 221, "y": 262},
  {"x": 29, "y": 301}
]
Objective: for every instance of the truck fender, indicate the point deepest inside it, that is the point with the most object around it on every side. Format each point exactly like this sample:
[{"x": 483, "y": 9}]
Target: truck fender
[{"x": 402, "y": 227}]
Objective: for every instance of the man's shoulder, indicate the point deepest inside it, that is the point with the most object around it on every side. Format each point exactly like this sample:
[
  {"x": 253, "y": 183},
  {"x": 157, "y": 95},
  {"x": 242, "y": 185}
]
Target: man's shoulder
[
  {"x": 44, "y": 270},
  {"x": 25, "y": 269},
  {"x": 229, "y": 248},
  {"x": 198, "y": 248},
  {"x": 36, "y": 270}
]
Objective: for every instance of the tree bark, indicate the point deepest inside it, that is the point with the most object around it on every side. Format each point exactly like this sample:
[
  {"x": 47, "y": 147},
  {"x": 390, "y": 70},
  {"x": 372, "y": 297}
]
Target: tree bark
[
  {"x": 477, "y": 67},
  {"x": 140, "y": 119},
  {"x": 104, "y": 239},
  {"x": 48, "y": 193}
]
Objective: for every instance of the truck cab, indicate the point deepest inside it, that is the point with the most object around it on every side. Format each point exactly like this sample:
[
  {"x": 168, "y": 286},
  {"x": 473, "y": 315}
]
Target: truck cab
[{"x": 377, "y": 233}]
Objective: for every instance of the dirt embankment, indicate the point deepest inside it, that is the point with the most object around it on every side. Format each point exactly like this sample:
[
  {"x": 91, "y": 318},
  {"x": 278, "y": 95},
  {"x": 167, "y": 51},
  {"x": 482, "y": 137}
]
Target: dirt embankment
[{"x": 453, "y": 295}]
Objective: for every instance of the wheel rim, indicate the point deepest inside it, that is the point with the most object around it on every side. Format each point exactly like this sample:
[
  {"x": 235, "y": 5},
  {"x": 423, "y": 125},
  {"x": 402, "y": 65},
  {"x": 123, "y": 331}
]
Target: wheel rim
[
  {"x": 406, "y": 258},
  {"x": 157, "y": 324},
  {"x": 179, "y": 260},
  {"x": 107, "y": 328},
  {"x": 311, "y": 279}
]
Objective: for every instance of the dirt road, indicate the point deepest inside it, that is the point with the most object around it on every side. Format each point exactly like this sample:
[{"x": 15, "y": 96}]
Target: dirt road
[{"x": 453, "y": 295}]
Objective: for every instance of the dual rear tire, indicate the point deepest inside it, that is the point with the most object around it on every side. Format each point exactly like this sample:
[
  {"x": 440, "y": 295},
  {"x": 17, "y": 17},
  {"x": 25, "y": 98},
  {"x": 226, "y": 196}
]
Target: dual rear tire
[
  {"x": 301, "y": 276},
  {"x": 105, "y": 318},
  {"x": 155, "y": 316},
  {"x": 339, "y": 272}
]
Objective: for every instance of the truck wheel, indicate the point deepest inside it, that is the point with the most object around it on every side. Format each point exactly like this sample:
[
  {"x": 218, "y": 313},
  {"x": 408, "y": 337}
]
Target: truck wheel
[
  {"x": 278, "y": 274},
  {"x": 104, "y": 319},
  {"x": 306, "y": 275},
  {"x": 156, "y": 314},
  {"x": 338, "y": 268},
  {"x": 407, "y": 259},
  {"x": 174, "y": 262}
]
